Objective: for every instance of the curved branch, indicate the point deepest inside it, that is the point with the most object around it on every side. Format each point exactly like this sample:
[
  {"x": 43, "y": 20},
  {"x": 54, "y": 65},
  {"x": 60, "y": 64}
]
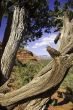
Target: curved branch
[
  {"x": 51, "y": 79},
  {"x": 57, "y": 38},
  {"x": 8, "y": 57},
  {"x": 53, "y": 52}
]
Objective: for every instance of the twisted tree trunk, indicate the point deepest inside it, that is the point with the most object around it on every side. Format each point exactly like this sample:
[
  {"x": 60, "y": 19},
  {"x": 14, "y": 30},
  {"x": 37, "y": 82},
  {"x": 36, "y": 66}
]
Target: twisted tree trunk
[
  {"x": 37, "y": 93},
  {"x": 12, "y": 46}
]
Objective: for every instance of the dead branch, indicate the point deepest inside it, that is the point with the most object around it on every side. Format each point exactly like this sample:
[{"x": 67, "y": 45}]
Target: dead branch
[{"x": 51, "y": 79}]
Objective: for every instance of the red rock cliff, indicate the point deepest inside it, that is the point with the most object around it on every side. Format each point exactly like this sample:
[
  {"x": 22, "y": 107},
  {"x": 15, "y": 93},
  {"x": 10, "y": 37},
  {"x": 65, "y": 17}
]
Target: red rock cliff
[{"x": 25, "y": 56}]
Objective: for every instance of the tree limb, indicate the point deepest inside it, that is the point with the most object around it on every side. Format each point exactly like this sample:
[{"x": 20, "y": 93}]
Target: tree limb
[{"x": 61, "y": 64}]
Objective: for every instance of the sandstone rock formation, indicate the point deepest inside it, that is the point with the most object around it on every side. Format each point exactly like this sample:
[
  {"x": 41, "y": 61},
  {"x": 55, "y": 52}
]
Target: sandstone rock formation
[{"x": 25, "y": 56}]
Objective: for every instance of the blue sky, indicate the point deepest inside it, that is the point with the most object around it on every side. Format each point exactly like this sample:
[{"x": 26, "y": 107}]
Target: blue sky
[
  {"x": 38, "y": 47},
  {"x": 2, "y": 28},
  {"x": 51, "y": 2}
]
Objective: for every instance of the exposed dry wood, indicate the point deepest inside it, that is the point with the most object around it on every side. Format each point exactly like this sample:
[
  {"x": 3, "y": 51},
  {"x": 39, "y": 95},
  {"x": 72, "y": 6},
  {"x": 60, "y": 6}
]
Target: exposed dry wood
[
  {"x": 57, "y": 38},
  {"x": 67, "y": 32},
  {"x": 54, "y": 53},
  {"x": 61, "y": 64},
  {"x": 64, "y": 49},
  {"x": 12, "y": 46},
  {"x": 4, "y": 88},
  {"x": 36, "y": 93}
]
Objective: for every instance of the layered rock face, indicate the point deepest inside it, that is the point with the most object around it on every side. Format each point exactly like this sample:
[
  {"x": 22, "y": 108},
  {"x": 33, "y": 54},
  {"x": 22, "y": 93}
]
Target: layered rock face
[{"x": 25, "y": 56}]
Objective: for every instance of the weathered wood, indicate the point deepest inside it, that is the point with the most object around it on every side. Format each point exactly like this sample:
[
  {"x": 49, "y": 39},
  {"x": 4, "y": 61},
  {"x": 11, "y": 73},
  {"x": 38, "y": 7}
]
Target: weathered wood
[
  {"x": 53, "y": 53},
  {"x": 57, "y": 38},
  {"x": 38, "y": 91},
  {"x": 12, "y": 46},
  {"x": 61, "y": 64},
  {"x": 66, "y": 48},
  {"x": 66, "y": 32},
  {"x": 4, "y": 88}
]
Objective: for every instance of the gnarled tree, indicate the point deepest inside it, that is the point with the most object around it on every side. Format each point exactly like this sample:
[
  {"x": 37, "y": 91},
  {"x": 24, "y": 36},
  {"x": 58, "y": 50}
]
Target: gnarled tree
[{"x": 37, "y": 93}]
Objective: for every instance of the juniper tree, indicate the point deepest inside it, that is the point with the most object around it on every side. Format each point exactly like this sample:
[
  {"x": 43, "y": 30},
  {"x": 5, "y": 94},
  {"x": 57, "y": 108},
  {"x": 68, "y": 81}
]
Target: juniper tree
[{"x": 29, "y": 18}]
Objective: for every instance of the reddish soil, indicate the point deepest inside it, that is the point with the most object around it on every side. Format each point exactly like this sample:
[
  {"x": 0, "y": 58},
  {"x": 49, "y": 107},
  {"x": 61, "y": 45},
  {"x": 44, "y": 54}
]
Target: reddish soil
[
  {"x": 68, "y": 106},
  {"x": 62, "y": 105}
]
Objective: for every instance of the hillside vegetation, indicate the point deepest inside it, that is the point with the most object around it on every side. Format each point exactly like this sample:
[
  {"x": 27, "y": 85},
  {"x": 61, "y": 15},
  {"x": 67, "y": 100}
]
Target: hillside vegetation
[
  {"x": 68, "y": 81},
  {"x": 24, "y": 73}
]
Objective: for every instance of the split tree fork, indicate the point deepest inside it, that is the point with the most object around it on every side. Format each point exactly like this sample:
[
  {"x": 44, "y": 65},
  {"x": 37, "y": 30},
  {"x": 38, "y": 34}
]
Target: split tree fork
[{"x": 37, "y": 93}]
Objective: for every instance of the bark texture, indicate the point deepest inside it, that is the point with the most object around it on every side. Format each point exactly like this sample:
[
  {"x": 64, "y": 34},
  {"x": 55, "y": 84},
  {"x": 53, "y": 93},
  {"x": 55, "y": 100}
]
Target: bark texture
[
  {"x": 37, "y": 93},
  {"x": 52, "y": 79},
  {"x": 12, "y": 46},
  {"x": 67, "y": 32}
]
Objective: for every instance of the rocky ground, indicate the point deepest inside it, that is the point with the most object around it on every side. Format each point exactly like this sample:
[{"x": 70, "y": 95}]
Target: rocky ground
[{"x": 62, "y": 104}]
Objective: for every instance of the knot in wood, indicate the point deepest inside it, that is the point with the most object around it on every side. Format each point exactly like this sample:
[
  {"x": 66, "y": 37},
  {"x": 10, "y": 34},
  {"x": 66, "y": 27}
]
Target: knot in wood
[{"x": 53, "y": 52}]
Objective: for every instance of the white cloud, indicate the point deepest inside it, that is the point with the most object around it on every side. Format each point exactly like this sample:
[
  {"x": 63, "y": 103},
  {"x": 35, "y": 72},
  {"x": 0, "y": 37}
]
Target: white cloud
[
  {"x": 44, "y": 49},
  {"x": 40, "y": 44},
  {"x": 27, "y": 47},
  {"x": 50, "y": 38},
  {"x": 45, "y": 41}
]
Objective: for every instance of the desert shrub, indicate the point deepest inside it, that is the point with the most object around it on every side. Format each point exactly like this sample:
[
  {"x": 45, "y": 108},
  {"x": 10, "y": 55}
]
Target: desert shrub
[
  {"x": 24, "y": 73},
  {"x": 68, "y": 81}
]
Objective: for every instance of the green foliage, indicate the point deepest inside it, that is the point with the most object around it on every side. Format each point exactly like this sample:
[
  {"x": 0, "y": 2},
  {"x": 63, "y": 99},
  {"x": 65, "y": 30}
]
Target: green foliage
[
  {"x": 38, "y": 16},
  {"x": 2, "y": 10},
  {"x": 68, "y": 81},
  {"x": 36, "y": 12},
  {"x": 24, "y": 74},
  {"x": 59, "y": 11},
  {"x": 56, "y": 5}
]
